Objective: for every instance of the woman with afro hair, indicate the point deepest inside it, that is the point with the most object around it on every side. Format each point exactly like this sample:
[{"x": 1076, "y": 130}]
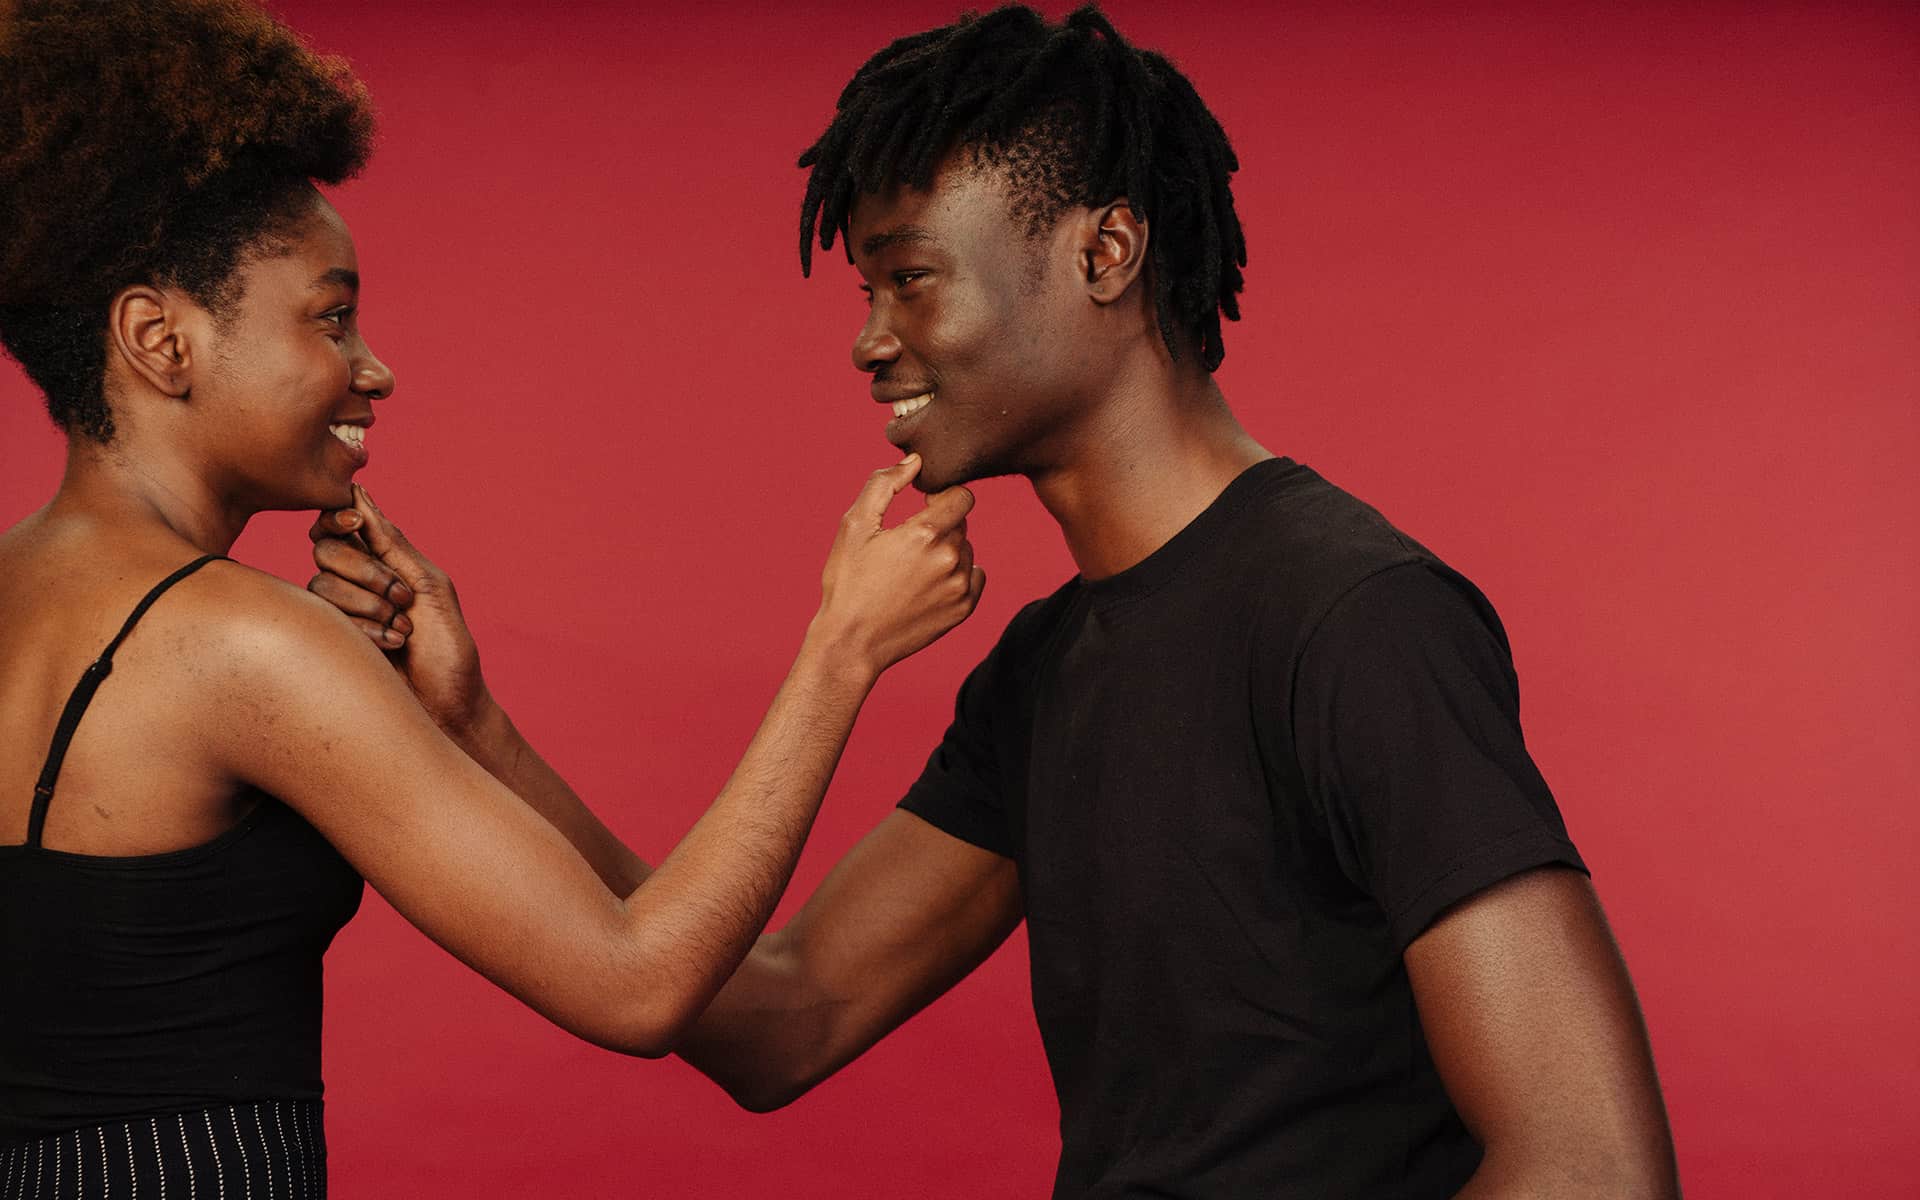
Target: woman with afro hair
[{"x": 184, "y": 830}]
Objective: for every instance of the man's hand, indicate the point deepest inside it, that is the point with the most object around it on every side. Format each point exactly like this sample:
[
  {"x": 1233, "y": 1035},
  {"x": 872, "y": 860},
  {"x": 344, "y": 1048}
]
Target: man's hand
[{"x": 405, "y": 604}]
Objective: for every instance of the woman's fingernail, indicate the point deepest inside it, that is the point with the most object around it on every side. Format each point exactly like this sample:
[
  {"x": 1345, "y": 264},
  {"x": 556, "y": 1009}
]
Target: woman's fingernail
[
  {"x": 349, "y": 520},
  {"x": 392, "y": 637}
]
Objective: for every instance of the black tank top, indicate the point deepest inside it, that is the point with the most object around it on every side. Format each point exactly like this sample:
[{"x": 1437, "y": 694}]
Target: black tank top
[{"x": 132, "y": 987}]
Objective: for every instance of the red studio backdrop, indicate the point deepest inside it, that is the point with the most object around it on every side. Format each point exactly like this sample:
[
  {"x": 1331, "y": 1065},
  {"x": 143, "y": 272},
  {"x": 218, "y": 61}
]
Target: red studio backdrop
[{"x": 1615, "y": 306}]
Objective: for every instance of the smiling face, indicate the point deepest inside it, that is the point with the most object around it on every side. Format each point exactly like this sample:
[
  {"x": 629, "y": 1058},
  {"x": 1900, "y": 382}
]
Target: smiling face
[
  {"x": 281, "y": 414},
  {"x": 976, "y": 332}
]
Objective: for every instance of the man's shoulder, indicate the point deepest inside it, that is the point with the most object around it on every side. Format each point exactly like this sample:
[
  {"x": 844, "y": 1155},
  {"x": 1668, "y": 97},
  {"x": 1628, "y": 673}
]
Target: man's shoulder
[
  {"x": 1312, "y": 546},
  {"x": 1303, "y": 544},
  {"x": 1299, "y": 522},
  {"x": 1292, "y": 544},
  {"x": 1033, "y": 628}
]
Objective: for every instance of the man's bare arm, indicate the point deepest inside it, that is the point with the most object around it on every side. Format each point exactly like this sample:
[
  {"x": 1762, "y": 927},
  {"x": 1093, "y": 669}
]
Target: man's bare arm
[
  {"x": 1532, "y": 1021},
  {"x": 909, "y": 912},
  {"x": 905, "y": 915}
]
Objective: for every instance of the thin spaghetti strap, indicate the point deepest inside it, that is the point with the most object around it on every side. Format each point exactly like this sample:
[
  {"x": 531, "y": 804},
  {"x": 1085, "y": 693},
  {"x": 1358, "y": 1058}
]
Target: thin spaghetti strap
[{"x": 82, "y": 696}]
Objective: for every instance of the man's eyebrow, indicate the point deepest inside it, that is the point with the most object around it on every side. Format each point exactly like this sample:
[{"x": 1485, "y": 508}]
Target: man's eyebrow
[
  {"x": 338, "y": 275},
  {"x": 904, "y": 235}
]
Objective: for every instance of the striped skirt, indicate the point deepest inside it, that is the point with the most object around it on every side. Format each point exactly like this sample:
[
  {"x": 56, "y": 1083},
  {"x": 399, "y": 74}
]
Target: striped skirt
[{"x": 264, "y": 1151}]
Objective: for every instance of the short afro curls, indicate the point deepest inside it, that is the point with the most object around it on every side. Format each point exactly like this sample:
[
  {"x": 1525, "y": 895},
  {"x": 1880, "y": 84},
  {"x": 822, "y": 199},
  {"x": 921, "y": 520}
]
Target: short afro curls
[{"x": 149, "y": 141}]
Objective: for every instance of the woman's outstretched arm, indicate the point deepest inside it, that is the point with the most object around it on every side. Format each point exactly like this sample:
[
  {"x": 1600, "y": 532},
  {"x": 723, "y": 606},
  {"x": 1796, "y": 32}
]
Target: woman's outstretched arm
[
  {"x": 311, "y": 713},
  {"x": 373, "y": 573}
]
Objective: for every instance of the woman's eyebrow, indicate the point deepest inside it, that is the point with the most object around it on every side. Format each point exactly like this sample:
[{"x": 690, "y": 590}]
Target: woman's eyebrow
[{"x": 340, "y": 276}]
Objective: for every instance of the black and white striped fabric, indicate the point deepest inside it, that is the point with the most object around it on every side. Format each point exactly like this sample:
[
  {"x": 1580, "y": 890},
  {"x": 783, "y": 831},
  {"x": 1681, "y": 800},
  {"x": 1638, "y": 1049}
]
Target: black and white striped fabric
[{"x": 266, "y": 1151}]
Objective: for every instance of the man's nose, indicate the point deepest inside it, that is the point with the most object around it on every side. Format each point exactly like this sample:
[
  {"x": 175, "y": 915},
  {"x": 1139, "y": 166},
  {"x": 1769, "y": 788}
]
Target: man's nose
[{"x": 876, "y": 346}]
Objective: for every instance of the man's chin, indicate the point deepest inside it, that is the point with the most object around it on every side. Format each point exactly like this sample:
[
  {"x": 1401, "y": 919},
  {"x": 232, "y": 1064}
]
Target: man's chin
[
  {"x": 933, "y": 476},
  {"x": 938, "y": 476}
]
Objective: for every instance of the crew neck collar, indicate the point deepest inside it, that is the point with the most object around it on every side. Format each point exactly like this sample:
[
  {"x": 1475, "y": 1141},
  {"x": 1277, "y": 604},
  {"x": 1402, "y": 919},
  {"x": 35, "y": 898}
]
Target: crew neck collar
[{"x": 1156, "y": 569}]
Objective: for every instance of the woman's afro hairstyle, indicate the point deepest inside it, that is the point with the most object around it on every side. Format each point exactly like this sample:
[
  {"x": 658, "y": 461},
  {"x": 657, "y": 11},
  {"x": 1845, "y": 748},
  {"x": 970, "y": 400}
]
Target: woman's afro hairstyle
[{"x": 155, "y": 142}]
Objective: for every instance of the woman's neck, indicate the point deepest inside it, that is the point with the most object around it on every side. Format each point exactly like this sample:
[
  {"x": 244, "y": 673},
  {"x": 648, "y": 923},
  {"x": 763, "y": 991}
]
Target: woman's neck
[{"x": 119, "y": 485}]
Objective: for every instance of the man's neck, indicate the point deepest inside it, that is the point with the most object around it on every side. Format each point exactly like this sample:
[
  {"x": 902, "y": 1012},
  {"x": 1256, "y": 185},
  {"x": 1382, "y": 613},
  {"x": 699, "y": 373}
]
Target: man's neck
[{"x": 1154, "y": 466}]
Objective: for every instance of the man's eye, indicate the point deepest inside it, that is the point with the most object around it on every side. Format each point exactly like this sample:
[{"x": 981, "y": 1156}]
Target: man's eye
[
  {"x": 902, "y": 278},
  {"x": 339, "y": 316},
  {"x": 866, "y": 294}
]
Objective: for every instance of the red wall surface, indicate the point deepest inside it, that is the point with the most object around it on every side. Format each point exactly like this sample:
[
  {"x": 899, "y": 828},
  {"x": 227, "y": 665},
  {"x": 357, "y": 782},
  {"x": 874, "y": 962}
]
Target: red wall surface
[{"x": 1614, "y": 306}]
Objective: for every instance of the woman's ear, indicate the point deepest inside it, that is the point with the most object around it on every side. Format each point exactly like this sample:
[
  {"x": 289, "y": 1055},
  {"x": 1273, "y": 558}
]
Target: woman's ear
[
  {"x": 149, "y": 331},
  {"x": 1115, "y": 252}
]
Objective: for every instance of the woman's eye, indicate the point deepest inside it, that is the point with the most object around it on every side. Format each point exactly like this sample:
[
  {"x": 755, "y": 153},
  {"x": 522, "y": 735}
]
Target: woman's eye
[{"x": 339, "y": 316}]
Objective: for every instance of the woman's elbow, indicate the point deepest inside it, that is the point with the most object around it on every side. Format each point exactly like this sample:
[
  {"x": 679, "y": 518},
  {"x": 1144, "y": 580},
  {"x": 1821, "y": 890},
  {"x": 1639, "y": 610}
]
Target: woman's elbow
[
  {"x": 635, "y": 1039},
  {"x": 643, "y": 1027}
]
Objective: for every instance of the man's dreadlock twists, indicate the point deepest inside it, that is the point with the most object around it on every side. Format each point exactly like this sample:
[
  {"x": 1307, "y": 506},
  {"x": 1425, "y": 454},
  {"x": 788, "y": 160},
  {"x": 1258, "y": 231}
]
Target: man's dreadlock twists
[{"x": 1073, "y": 115}]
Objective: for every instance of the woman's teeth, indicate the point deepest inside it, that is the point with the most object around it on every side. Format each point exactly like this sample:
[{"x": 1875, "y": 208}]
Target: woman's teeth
[
  {"x": 902, "y": 408},
  {"x": 352, "y": 435}
]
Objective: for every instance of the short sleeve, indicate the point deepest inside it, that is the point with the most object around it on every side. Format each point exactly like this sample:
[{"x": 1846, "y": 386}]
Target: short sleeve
[
  {"x": 1406, "y": 725},
  {"x": 961, "y": 791}
]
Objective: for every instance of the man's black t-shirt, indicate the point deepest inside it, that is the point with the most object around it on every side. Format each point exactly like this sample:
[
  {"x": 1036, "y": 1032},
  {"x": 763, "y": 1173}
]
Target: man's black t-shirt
[{"x": 1238, "y": 779}]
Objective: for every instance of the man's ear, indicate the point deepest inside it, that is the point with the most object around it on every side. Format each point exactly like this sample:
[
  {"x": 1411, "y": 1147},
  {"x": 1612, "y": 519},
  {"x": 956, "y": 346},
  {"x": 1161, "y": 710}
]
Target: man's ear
[
  {"x": 149, "y": 328},
  {"x": 1115, "y": 251}
]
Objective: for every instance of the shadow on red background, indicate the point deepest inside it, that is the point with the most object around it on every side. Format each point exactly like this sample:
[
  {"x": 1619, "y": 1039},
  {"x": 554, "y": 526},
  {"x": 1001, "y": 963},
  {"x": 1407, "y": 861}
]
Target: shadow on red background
[{"x": 1615, "y": 307}]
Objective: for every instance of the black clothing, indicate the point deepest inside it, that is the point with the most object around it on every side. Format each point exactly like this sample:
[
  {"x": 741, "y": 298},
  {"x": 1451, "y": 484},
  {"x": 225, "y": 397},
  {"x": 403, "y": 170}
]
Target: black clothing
[
  {"x": 1238, "y": 779},
  {"x": 274, "y": 1149},
  {"x": 154, "y": 985}
]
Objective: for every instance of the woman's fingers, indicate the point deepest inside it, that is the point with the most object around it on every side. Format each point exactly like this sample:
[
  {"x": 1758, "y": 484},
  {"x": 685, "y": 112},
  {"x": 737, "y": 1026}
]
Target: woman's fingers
[
  {"x": 336, "y": 523},
  {"x": 892, "y": 591},
  {"x": 355, "y": 581},
  {"x": 377, "y": 616},
  {"x": 350, "y": 562},
  {"x": 870, "y": 506}
]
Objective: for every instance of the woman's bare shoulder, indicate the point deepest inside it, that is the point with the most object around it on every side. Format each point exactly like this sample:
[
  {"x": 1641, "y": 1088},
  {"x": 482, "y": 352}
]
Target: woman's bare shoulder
[
  {"x": 278, "y": 676},
  {"x": 256, "y": 622}
]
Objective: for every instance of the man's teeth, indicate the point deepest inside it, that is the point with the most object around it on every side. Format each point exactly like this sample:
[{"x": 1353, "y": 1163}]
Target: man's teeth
[
  {"x": 352, "y": 435},
  {"x": 903, "y": 408}
]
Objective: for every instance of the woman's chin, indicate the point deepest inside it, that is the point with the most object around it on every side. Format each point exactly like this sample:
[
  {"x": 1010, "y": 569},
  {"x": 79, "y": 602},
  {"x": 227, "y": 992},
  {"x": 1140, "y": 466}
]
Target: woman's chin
[
  {"x": 323, "y": 495},
  {"x": 341, "y": 498}
]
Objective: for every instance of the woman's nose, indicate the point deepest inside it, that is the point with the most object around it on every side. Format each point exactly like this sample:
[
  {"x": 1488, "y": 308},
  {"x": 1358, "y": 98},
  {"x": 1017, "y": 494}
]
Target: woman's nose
[{"x": 372, "y": 378}]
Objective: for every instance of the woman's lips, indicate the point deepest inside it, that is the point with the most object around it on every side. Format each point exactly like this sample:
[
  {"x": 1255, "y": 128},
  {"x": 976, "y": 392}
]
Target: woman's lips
[{"x": 354, "y": 438}]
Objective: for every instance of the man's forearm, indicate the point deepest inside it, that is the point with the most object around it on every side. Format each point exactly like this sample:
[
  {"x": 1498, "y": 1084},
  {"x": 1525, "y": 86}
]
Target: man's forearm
[
  {"x": 496, "y": 744},
  {"x": 761, "y": 1037}
]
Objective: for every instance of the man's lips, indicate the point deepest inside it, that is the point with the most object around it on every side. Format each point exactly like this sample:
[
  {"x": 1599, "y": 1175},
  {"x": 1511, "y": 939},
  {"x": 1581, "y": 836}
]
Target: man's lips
[{"x": 906, "y": 406}]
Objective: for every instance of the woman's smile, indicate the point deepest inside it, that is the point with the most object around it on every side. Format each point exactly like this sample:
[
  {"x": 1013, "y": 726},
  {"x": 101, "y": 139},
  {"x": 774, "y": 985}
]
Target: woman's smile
[{"x": 354, "y": 438}]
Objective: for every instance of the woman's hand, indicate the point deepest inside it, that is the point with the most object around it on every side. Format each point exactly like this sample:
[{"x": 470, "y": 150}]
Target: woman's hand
[
  {"x": 405, "y": 604},
  {"x": 886, "y": 593}
]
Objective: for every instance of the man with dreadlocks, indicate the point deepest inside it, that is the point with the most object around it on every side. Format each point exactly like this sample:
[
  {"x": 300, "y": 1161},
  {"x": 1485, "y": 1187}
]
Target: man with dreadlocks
[{"x": 1304, "y": 919}]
